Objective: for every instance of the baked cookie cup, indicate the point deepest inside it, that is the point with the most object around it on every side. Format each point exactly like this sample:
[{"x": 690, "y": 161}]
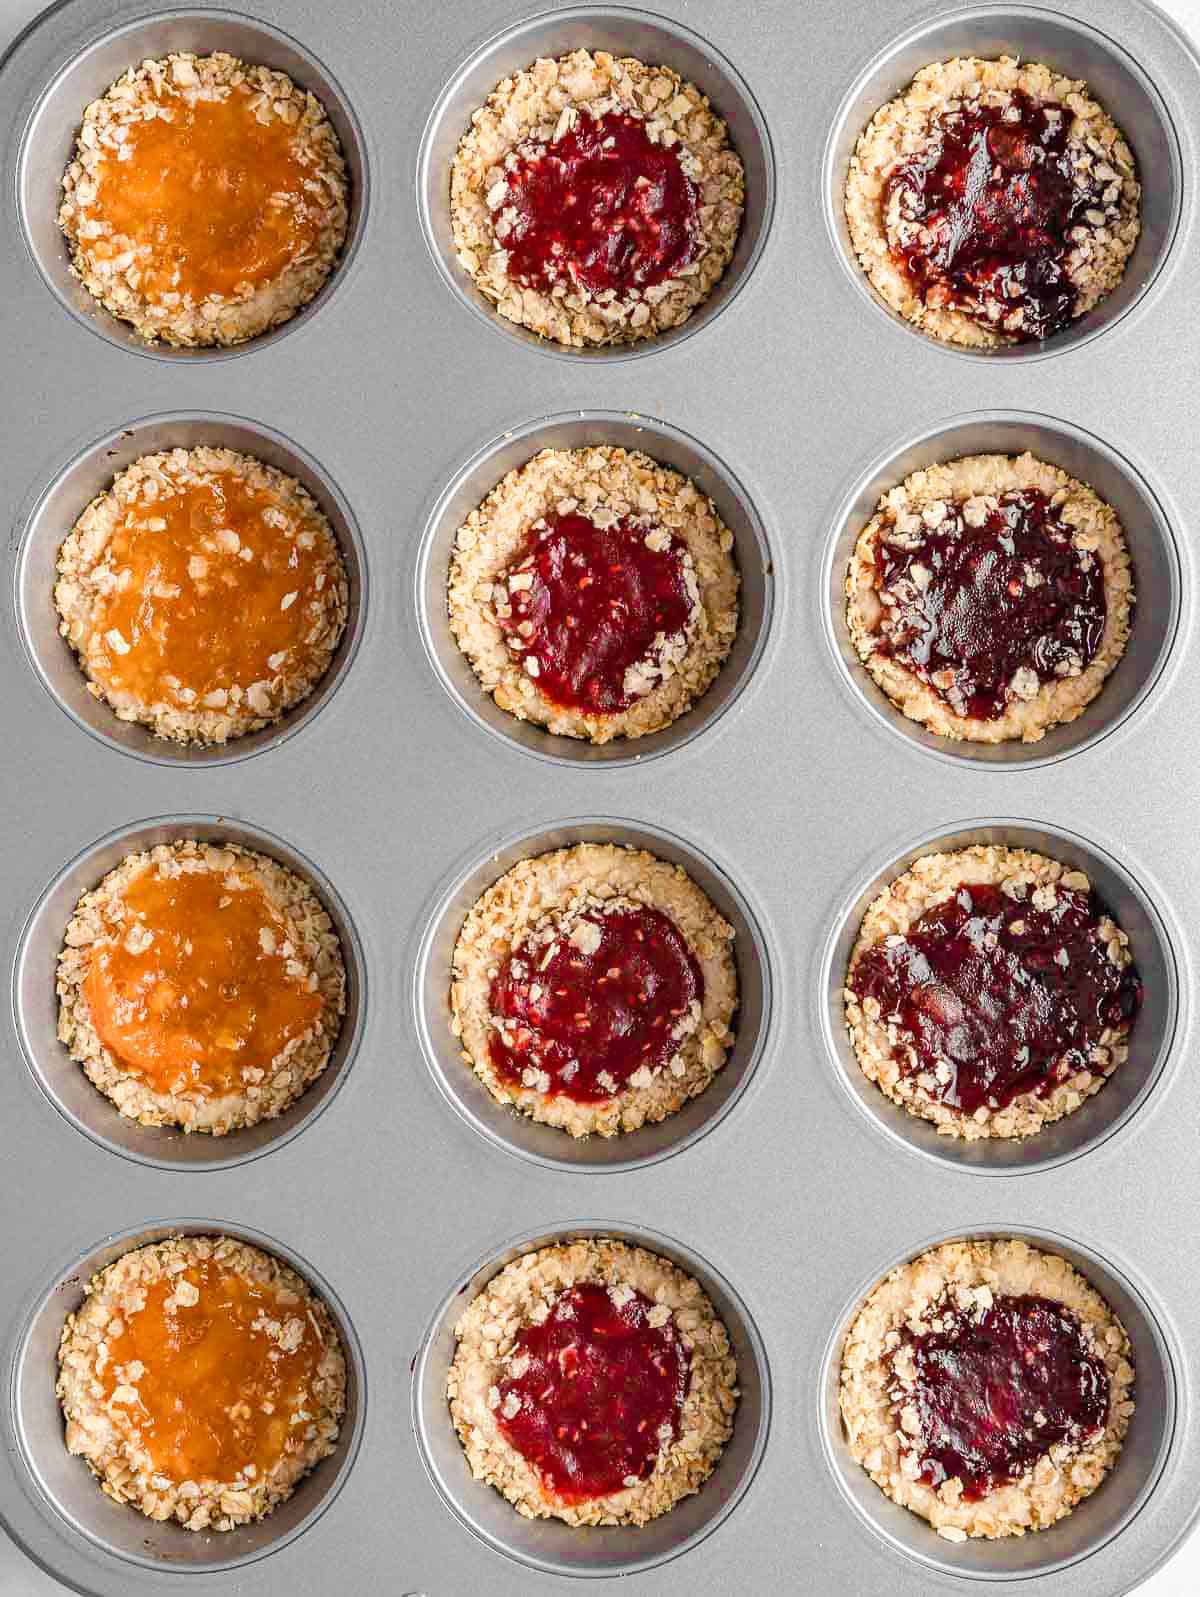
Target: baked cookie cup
[
  {"x": 592, "y": 1382},
  {"x": 595, "y": 593},
  {"x": 593, "y": 988},
  {"x": 993, "y": 203},
  {"x": 595, "y": 200},
  {"x": 990, "y": 597},
  {"x": 990, "y": 991},
  {"x": 202, "y": 986},
  {"x": 201, "y": 1380},
  {"x": 987, "y": 1387},
  {"x": 265, "y": 157}
]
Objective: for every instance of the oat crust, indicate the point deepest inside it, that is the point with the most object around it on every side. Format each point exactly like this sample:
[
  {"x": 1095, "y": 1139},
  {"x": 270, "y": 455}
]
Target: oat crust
[
  {"x": 88, "y": 571},
  {"x": 93, "y": 1426},
  {"x": 879, "y": 1046},
  {"x": 185, "y": 78},
  {"x": 901, "y": 128},
  {"x": 548, "y": 883},
  {"x": 904, "y": 1299},
  {"x": 982, "y": 478},
  {"x": 99, "y": 918},
  {"x": 542, "y": 103},
  {"x": 522, "y": 1294},
  {"x": 627, "y": 484}
]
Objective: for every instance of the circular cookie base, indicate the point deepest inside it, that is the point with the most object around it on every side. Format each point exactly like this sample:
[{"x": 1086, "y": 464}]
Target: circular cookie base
[
  {"x": 513, "y": 905},
  {"x": 83, "y": 573},
  {"x": 1052, "y": 1488},
  {"x": 1097, "y": 529},
  {"x": 488, "y": 1329},
  {"x": 900, "y": 128},
  {"x": 536, "y": 104},
  {"x": 218, "y": 320},
  {"x": 289, "y": 1074},
  {"x": 127, "y": 1475},
  {"x": 932, "y": 880},
  {"x": 629, "y": 484}
]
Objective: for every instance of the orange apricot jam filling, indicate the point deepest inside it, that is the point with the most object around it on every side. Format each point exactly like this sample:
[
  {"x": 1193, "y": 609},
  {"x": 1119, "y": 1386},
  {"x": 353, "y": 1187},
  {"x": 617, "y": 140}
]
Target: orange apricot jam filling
[
  {"x": 210, "y": 595},
  {"x": 214, "y": 201},
  {"x": 201, "y": 993},
  {"x": 221, "y": 1366}
]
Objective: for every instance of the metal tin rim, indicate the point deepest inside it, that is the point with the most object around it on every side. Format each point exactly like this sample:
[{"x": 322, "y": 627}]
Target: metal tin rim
[
  {"x": 1173, "y": 1025},
  {"x": 302, "y": 715},
  {"x": 655, "y": 1242},
  {"x": 423, "y": 1022},
  {"x": 193, "y": 1226},
  {"x": 352, "y": 954},
  {"x": 705, "y": 722},
  {"x": 633, "y": 14},
  {"x": 350, "y": 249},
  {"x": 1052, "y": 1241},
  {"x": 888, "y": 717},
  {"x": 831, "y": 182}
]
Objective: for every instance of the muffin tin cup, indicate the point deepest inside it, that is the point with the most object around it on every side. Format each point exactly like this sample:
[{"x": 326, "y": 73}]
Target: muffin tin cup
[
  {"x": 1137, "y": 909},
  {"x": 580, "y": 429},
  {"x": 62, "y": 1080},
  {"x": 551, "y": 1546},
  {"x": 1075, "y": 49},
  {"x": 550, "y": 1146},
  {"x": 1158, "y": 1419},
  {"x": 66, "y": 1486},
  {"x": 91, "y": 473},
  {"x": 1158, "y": 579},
  {"x": 48, "y": 143},
  {"x": 623, "y": 31}
]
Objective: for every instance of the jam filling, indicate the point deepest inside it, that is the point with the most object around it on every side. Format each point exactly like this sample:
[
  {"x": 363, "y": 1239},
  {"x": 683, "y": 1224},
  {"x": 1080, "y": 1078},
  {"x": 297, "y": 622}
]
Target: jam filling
[
  {"x": 579, "y": 1015},
  {"x": 596, "y": 611},
  {"x": 601, "y": 1391},
  {"x": 603, "y": 208},
  {"x": 216, "y": 201},
  {"x": 988, "y": 613},
  {"x": 997, "y": 997},
  {"x": 993, "y": 1393},
  {"x": 218, "y": 598},
  {"x": 986, "y": 214},
  {"x": 215, "y": 1391},
  {"x": 198, "y": 989}
]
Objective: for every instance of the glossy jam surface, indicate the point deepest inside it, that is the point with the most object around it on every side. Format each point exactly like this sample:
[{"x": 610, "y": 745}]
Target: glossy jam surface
[
  {"x": 972, "y": 606},
  {"x": 216, "y": 1392},
  {"x": 992, "y": 201},
  {"x": 601, "y": 1002},
  {"x": 599, "y": 601},
  {"x": 209, "y": 996},
  {"x": 601, "y": 1393},
  {"x": 603, "y": 207},
  {"x": 995, "y": 1393},
  {"x": 218, "y": 197},
  {"x": 197, "y": 615},
  {"x": 999, "y": 998}
]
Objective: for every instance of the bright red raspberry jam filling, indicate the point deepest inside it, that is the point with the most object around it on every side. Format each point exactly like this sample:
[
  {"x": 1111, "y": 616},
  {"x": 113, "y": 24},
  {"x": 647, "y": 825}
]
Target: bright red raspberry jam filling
[
  {"x": 985, "y": 614},
  {"x": 998, "y": 998},
  {"x": 601, "y": 1392},
  {"x": 578, "y": 1015},
  {"x": 994, "y": 1392},
  {"x": 986, "y": 212},
  {"x": 596, "y": 611},
  {"x": 603, "y": 208}
]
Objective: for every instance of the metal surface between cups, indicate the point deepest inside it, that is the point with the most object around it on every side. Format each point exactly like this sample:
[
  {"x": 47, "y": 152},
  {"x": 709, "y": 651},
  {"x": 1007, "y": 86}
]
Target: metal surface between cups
[
  {"x": 48, "y": 144},
  {"x": 35, "y": 1005},
  {"x": 552, "y": 1545}
]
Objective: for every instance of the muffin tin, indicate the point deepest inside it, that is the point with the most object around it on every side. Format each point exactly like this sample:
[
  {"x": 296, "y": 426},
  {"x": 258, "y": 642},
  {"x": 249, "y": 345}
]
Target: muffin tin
[{"x": 789, "y": 792}]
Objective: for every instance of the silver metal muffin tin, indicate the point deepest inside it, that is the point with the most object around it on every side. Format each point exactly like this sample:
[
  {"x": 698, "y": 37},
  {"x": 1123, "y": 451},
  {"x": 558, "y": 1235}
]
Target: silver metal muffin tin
[{"x": 790, "y": 792}]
